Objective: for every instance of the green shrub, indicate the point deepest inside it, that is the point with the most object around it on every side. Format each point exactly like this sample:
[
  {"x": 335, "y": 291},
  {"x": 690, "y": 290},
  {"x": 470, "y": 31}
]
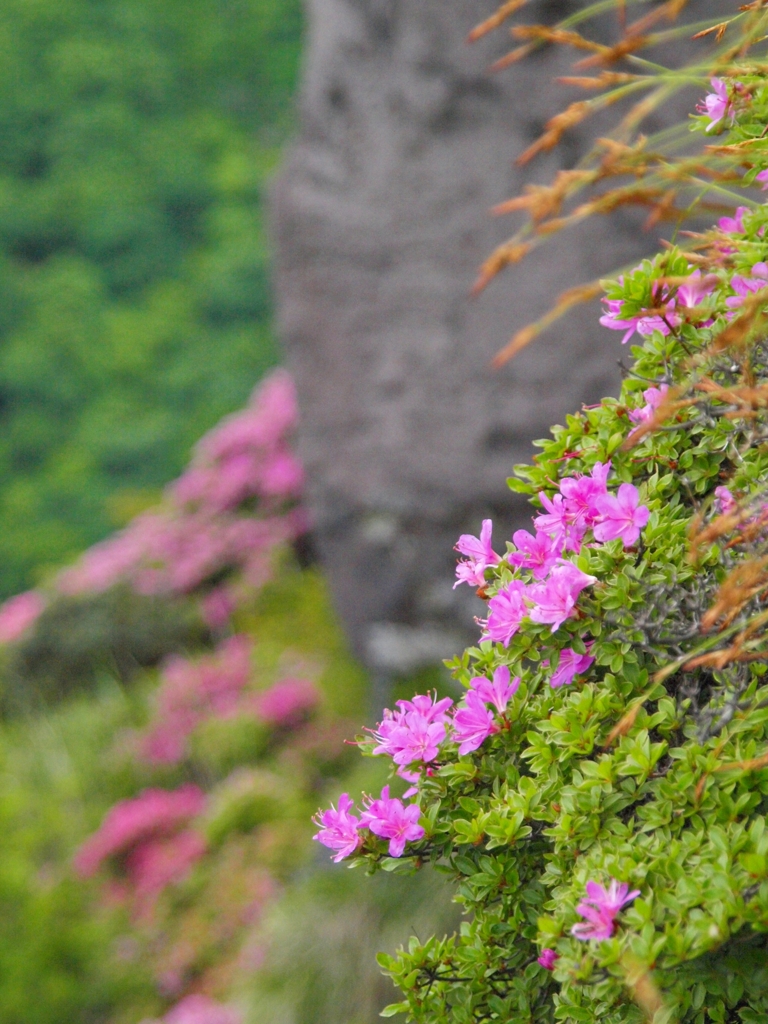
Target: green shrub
[{"x": 613, "y": 732}]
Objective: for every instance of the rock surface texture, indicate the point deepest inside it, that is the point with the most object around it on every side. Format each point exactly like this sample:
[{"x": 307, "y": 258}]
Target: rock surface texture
[{"x": 381, "y": 219}]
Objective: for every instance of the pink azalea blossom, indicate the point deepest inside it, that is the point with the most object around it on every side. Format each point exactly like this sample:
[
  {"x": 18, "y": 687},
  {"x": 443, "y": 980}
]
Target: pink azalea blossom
[
  {"x": 154, "y": 813},
  {"x": 600, "y": 909},
  {"x": 157, "y": 863},
  {"x": 480, "y": 555},
  {"x": 18, "y": 614},
  {"x": 622, "y": 516},
  {"x": 389, "y": 818},
  {"x": 339, "y": 829},
  {"x": 569, "y": 666},
  {"x": 547, "y": 959},
  {"x": 506, "y": 610},
  {"x": 581, "y": 494},
  {"x": 762, "y": 177},
  {"x": 199, "y": 1009},
  {"x": 644, "y": 323},
  {"x": 192, "y": 690},
  {"x": 473, "y": 723},
  {"x": 561, "y": 522},
  {"x": 217, "y": 607},
  {"x": 414, "y": 731},
  {"x": 725, "y": 501},
  {"x": 734, "y": 224},
  {"x": 745, "y": 286},
  {"x": 555, "y": 600},
  {"x": 716, "y": 105},
  {"x": 537, "y": 553},
  {"x": 653, "y": 396},
  {"x": 694, "y": 290},
  {"x": 499, "y": 692},
  {"x": 286, "y": 702}
]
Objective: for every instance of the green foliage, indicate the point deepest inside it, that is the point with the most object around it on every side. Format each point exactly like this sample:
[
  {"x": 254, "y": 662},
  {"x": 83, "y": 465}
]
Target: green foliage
[
  {"x": 134, "y": 294},
  {"x": 65, "y": 955}
]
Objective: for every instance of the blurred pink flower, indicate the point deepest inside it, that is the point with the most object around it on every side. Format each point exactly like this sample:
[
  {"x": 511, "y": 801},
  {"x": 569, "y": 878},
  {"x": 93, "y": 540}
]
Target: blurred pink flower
[
  {"x": 600, "y": 909},
  {"x": 153, "y": 814},
  {"x": 18, "y": 614},
  {"x": 157, "y": 863},
  {"x": 287, "y": 701},
  {"x": 725, "y": 501},
  {"x": 217, "y": 607},
  {"x": 716, "y": 105},
  {"x": 653, "y": 398},
  {"x": 190, "y": 691},
  {"x": 547, "y": 959},
  {"x": 224, "y": 516},
  {"x": 199, "y": 1009},
  {"x": 735, "y": 223}
]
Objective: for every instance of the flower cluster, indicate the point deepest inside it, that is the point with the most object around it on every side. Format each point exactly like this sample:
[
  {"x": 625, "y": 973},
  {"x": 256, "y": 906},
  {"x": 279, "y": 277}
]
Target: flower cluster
[
  {"x": 386, "y": 817},
  {"x": 582, "y": 506},
  {"x": 217, "y": 685},
  {"x": 150, "y": 839},
  {"x": 215, "y": 534}
]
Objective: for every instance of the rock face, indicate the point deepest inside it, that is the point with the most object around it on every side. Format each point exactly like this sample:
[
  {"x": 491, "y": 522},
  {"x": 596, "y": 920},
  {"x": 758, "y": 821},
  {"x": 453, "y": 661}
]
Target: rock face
[{"x": 381, "y": 219}]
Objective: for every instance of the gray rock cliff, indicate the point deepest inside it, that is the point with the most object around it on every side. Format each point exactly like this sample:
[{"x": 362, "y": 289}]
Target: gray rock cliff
[{"x": 381, "y": 219}]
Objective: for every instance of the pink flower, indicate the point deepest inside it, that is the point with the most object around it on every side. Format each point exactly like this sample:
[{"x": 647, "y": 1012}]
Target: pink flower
[
  {"x": 217, "y": 607},
  {"x": 581, "y": 493},
  {"x": 644, "y": 323},
  {"x": 199, "y": 1009},
  {"x": 506, "y": 610},
  {"x": 600, "y": 909},
  {"x": 569, "y": 666},
  {"x": 560, "y": 522},
  {"x": 724, "y": 501},
  {"x": 339, "y": 829},
  {"x": 537, "y": 553},
  {"x": 745, "y": 286},
  {"x": 473, "y": 723},
  {"x": 286, "y": 702},
  {"x": 154, "y": 813},
  {"x": 211, "y": 686},
  {"x": 696, "y": 289},
  {"x": 480, "y": 555},
  {"x": 389, "y": 818},
  {"x": 762, "y": 177},
  {"x": 414, "y": 732},
  {"x": 157, "y": 863},
  {"x": 653, "y": 398},
  {"x": 18, "y": 614},
  {"x": 736, "y": 223},
  {"x": 547, "y": 959},
  {"x": 621, "y": 516},
  {"x": 499, "y": 692},
  {"x": 716, "y": 105},
  {"x": 555, "y": 600}
]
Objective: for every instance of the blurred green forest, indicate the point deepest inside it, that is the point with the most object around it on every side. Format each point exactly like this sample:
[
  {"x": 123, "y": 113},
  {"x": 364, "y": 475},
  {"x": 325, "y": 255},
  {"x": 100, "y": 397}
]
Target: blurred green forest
[{"x": 137, "y": 138}]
